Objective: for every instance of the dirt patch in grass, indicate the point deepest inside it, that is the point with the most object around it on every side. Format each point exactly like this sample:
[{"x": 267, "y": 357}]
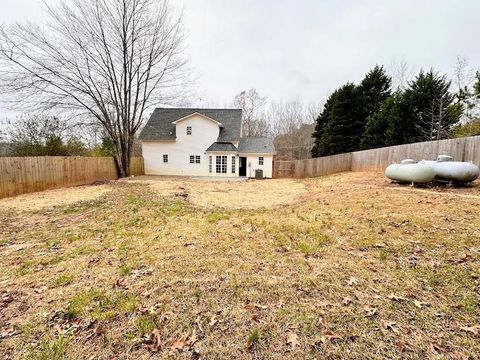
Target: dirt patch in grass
[
  {"x": 251, "y": 194},
  {"x": 57, "y": 197},
  {"x": 354, "y": 270}
]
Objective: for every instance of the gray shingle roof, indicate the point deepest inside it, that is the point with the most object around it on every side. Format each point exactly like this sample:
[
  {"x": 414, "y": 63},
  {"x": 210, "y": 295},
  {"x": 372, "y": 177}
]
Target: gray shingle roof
[
  {"x": 160, "y": 127},
  {"x": 222, "y": 146},
  {"x": 256, "y": 145}
]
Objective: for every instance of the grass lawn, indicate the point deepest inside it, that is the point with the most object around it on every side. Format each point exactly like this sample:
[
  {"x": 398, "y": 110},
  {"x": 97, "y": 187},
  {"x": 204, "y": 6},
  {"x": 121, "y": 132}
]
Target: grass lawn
[{"x": 346, "y": 266}]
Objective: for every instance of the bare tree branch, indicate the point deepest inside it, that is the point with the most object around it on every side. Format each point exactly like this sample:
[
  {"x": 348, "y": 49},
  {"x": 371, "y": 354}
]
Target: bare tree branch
[{"x": 110, "y": 60}]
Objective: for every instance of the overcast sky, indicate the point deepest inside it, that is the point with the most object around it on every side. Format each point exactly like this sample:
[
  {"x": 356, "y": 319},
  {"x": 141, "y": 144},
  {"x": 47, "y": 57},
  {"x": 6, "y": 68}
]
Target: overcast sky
[{"x": 303, "y": 49}]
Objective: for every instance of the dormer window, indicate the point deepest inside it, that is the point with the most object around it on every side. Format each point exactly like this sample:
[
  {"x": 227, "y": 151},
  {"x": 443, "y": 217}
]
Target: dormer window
[{"x": 189, "y": 130}]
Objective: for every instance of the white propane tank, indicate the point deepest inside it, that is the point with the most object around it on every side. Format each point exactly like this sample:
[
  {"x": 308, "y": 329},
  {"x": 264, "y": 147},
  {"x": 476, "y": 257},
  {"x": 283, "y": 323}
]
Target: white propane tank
[
  {"x": 410, "y": 173},
  {"x": 457, "y": 171}
]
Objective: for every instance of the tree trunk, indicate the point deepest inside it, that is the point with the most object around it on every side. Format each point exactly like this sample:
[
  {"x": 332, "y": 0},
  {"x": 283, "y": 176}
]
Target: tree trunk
[{"x": 122, "y": 155}]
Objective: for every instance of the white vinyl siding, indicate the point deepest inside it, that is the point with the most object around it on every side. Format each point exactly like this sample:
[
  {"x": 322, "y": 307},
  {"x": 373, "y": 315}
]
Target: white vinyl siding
[
  {"x": 252, "y": 165},
  {"x": 204, "y": 134},
  {"x": 194, "y": 159}
]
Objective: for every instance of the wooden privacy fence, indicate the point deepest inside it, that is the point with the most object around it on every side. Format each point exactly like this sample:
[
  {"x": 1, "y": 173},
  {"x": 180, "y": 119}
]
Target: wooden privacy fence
[
  {"x": 462, "y": 149},
  {"x": 20, "y": 175}
]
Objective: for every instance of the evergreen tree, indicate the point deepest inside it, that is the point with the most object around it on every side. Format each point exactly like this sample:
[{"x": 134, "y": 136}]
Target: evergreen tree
[
  {"x": 425, "y": 111},
  {"x": 432, "y": 106},
  {"x": 340, "y": 126},
  {"x": 341, "y": 132},
  {"x": 375, "y": 89},
  {"x": 476, "y": 86},
  {"x": 375, "y": 132},
  {"x": 321, "y": 123}
]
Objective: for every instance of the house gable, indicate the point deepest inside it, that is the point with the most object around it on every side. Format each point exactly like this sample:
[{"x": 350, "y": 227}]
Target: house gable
[
  {"x": 160, "y": 125},
  {"x": 197, "y": 114}
]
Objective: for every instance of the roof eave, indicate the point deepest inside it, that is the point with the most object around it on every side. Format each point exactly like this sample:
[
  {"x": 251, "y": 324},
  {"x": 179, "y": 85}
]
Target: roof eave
[{"x": 197, "y": 113}]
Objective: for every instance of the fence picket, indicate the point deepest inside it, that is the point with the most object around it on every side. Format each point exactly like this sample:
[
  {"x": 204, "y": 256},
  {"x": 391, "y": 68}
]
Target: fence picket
[
  {"x": 20, "y": 175},
  {"x": 462, "y": 149}
]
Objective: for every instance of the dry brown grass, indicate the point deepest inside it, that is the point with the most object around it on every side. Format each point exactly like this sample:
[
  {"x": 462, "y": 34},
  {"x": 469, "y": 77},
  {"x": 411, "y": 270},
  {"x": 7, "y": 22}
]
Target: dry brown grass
[
  {"x": 350, "y": 269},
  {"x": 250, "y": 194},
  {"x": 57, "y": 197}
]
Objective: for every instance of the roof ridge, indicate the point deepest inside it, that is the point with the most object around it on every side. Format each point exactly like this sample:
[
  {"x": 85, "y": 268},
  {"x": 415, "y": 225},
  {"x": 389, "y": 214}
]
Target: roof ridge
[{"x": 194, "y": 108}]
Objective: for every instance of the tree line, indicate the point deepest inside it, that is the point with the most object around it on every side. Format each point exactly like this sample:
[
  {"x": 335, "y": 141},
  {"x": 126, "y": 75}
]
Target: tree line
[
  {"x": 371, "y": 114},
  {"x": 104, "y": 65}
]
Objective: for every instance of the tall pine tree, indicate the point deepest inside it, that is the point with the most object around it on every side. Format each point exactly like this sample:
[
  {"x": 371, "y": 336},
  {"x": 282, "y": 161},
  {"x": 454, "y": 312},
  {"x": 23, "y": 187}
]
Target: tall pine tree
[
  {"x": 425, "y": 111},
  {"x": 340, "y": 126},
  {"x": 375, "y": 89}
]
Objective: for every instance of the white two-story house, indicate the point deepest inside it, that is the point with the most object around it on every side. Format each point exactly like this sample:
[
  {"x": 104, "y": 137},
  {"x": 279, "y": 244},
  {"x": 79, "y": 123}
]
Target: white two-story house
[{"x": 203, "y": 142}]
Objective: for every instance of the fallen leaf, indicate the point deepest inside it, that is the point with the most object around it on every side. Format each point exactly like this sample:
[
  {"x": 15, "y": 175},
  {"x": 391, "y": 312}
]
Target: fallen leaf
[
  {"x": 155, "y": 341},
  {"x": 213, "y": 321},
  {"x": 435, "y": 347},
  {"x": 7, "y": 332},
  {"x": 352, "y": 281},
  {"x": 93, "y": 261},
  {"x": 396, "y": 297},
  {"x": 292, "y": 339},
  {"x": 330, "y": 336},
  {"x": 347, "y": 300},
  {"x": 370, "y": 310},
  {"x": 465, "y": 258},
  {"x": 420, "y": 304},
  {"x": 262, "y": 307},
  {"x": 389, "y": 325},
  {"x": 142, "y": 272},
  {"x": 147, "y": 293},
  {"x": 119, "y": 283},
  {"x": 475, "y": 330},
  {"x": 6, "y": 298},
  {"x": 97, "y": 331},
  {"x": 185, "y": 342},
  {"x": 401, "y": 346}
]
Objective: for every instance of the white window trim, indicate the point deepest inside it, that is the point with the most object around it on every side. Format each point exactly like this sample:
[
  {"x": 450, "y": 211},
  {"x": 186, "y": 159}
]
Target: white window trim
[
  {"x": 261, "y": 160},
  {"x": 221, "y": 164},
  {"x": 194, "y": 159}
]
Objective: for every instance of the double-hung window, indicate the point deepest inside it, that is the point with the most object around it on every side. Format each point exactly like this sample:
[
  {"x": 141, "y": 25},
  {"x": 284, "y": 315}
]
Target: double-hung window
[
  {"x": 233, "y": 164},
  {"x": 165, "y": 158},
  {"x": 260, "y": 160},
  {"x": 210, "y": 163},
  {"x": 221, "y": 164},
  {"x": 189, "y": 130},
  {"x": 194, "y": 159}
]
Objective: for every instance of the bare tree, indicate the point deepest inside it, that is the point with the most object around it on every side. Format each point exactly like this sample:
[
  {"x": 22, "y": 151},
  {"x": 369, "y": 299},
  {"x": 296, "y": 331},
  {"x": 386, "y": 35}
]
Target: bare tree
[
  {"x": 400, "y": 73},
  {"x": 463, "y": 79},
  {"x": 292, "y": 128},
  {"x": 108, "y": 60},
  {"x": 252, "y": 104}
]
